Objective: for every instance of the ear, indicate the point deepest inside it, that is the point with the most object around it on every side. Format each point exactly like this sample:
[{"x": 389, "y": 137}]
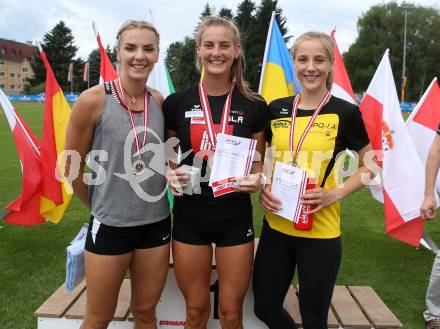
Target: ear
[
  {"x": 198, "y": 49},
  {"x": 238, "y": 49}
]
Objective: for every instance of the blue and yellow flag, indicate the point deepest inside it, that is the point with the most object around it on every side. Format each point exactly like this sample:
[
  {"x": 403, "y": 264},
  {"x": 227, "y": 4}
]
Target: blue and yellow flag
[{"x": 278, "y": 77}]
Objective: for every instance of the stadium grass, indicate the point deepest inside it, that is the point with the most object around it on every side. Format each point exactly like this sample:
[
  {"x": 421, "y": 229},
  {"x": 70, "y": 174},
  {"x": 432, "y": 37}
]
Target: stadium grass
[{"x": 32, "y": 259}]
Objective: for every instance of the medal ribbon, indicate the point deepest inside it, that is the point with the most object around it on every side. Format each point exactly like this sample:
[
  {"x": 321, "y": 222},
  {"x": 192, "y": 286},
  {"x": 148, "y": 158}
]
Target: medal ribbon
[
  {"x": 212, "y": 135},
  {"x": 145, "y": 121},
  {"x": 324, "y": 101}
]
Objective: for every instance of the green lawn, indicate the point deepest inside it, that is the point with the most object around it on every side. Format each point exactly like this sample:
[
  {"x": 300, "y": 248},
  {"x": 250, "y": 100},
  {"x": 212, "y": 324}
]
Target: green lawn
[{"x": 32, "y": 259}]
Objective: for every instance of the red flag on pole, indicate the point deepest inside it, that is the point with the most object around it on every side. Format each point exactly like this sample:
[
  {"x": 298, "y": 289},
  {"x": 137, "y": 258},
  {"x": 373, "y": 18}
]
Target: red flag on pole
[
  {"x": 423, "y": 122},
  {"x": 25, "y": 209},
  {"x": 86, "y": 71},
  {"x": 107, "y": 72},
  {"x": 341, "y": 82},
  {"x": 70, "y": 73},
  {"x": 402, "y": 170}
]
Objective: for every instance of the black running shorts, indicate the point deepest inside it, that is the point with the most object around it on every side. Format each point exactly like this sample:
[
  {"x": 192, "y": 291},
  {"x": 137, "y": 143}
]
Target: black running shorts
[{"x": 109, "y": 240}]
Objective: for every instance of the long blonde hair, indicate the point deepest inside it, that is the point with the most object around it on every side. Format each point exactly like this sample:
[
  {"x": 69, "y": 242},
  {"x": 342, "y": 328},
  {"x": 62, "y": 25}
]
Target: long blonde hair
[
  {"x": 238, "y": 65},
  {"x": 326, "y": 41}
]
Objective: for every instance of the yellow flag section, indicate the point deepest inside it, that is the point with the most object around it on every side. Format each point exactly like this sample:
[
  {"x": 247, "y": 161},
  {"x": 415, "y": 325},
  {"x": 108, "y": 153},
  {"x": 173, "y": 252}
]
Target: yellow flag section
[
  {"x": 278, "y": 74},
  {"x": 56, "y": 191}
]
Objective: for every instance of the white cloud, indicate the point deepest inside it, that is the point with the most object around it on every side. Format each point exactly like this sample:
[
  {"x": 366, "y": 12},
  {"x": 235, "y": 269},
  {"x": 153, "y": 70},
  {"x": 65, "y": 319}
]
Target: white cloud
[{"x": 30, "y": 20}]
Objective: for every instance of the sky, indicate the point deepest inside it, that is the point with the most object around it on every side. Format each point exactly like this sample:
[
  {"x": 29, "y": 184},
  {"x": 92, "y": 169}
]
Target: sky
[{"x": 29, "y": 20}]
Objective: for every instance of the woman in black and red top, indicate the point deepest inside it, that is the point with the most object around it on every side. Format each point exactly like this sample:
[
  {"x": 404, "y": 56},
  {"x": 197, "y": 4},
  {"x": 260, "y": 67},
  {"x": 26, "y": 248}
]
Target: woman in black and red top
[{"x": 200, "y": 219}]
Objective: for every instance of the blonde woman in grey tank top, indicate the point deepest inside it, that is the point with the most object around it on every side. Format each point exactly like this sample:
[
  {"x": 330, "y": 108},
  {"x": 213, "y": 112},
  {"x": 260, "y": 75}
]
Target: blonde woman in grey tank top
[{"x": 119, "y": 127}]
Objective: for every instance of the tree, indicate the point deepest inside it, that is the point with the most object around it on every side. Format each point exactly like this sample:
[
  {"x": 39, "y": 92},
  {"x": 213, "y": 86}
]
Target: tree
[
  {"x": 382, "y": 27},
  {"x": 180, "y": 61},
  {"x": 226, "y": 12},
  {"x": 58, "y": 44},
  {"x": 258, "y": 31},
  {"x": 94, "y": 60}
]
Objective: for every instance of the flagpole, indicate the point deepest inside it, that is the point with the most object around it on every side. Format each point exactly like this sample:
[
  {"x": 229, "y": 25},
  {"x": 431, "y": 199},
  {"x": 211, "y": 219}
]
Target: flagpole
[
  {"x": 71, "y": 81},
  {"x": 266, "y": 51}
]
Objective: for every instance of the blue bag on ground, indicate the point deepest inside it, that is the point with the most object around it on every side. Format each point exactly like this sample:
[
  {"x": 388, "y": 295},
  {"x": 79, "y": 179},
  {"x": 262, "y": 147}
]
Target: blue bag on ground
[{"x": 75, "y": 260}]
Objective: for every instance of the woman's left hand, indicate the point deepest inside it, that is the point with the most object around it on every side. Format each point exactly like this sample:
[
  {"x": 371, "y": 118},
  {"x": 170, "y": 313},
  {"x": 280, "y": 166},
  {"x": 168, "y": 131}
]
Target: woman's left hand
[
  {"x": 250, "y": 183},
  {"x": 320, "y": 197}
]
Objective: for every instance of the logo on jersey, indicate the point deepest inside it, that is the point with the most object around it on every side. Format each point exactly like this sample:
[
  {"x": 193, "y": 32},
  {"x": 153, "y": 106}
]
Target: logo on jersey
[
  {"x": 200, "y": 143},
  {"x": 236, "y": 116},
  {"x": 324, "y": 125},
  {"x": 284, "y": 111},
  {"x": 281, "y": 124}
]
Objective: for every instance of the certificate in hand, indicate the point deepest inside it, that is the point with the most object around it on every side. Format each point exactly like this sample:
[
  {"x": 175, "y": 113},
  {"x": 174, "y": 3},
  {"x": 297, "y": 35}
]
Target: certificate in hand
[
  {"x": 233, "y": 157},
  {"x": 289, "y": 184}
]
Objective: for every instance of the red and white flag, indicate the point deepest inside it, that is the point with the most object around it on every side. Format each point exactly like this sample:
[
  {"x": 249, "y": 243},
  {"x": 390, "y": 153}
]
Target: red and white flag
[
  {"x": 86, "y": 71},
  {"x": 70, "y": 72},
  {"x": 107, "y": 72},
  {"x": 25, "y": 209},
  {"x": 341, "y": 82},
  {"x": 402, "y": 169},
  {"x": 423, "y": 122}
]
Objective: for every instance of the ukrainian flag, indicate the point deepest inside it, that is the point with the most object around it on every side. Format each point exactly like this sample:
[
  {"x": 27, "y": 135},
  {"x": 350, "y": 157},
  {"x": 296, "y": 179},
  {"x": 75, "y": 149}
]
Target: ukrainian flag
[{"x": 278, "y": 74}]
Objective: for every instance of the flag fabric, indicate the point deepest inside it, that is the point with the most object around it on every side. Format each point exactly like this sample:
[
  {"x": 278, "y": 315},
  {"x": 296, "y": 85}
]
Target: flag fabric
[
  {"x": 25, "y": 209},
  {"x": 402, "y": 170},
  {"x": 278, "y": 77},
  {"x": 55, "y": 197},
  {"x": 70, "y": 73},
  {"x": 107, "y": 72},
  {"x": 86, "y": 71},
  {"x": 159, "y": 78},
  {"x": 341, "y": 82},
  {"x": 423, "y": 122}
]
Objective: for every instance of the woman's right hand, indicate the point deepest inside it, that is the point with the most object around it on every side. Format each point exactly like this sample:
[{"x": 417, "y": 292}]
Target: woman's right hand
[
  {"x": 176, "y": 180},
  {"x": 429, "y": 208},
  {"x": 268, "y": 201}
]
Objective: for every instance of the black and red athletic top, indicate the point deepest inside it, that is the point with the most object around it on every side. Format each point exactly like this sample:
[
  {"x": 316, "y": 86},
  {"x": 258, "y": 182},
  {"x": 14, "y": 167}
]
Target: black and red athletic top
[{"x": 246, "y": 118}]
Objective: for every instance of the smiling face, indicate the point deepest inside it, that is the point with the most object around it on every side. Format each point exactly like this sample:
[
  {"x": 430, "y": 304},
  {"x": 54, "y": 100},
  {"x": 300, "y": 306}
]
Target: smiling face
[
  {"x": 312, "y": 64},
  {"x": 137, "y": 53},
  {"x": 217, "y": 50}
]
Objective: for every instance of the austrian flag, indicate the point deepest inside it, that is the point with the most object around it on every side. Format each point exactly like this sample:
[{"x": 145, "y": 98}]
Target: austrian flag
[{"x": 402, "y": 169}]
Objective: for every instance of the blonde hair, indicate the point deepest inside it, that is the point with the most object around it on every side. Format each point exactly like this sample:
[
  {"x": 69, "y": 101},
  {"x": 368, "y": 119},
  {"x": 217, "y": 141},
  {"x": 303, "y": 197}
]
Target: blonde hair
[
  {"x": 326, "y": 41},
  {"x": 238, "y": 65},
  {"x": 136, "y": 24}
]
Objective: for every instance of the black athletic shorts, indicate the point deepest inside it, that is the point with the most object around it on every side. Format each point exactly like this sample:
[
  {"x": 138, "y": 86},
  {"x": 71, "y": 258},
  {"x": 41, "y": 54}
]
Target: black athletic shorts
[
  {"x": 109, "y": 240},
  {"x": 224, "y": 232}
]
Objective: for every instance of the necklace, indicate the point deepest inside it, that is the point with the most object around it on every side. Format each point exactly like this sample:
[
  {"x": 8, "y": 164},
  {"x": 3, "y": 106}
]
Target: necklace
[
  {"x": 139, "y": 166},
  {"x": 133, "y": 99}
]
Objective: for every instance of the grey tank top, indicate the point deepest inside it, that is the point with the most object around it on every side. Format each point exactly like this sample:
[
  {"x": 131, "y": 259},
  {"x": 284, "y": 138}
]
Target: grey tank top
[{"x": 117, "y": 196}]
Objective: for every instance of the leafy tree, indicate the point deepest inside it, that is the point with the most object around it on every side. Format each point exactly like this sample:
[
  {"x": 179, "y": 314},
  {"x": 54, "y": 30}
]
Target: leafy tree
[
  {"x": 58, "y": 44},
  {"x": 382, "y": 27}
]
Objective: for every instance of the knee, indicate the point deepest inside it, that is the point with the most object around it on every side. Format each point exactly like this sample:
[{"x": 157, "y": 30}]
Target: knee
[
  {"x": 197, "y": 313},
  {"x": 144, "y": 315},
  {"x": 231, "y": 317}
]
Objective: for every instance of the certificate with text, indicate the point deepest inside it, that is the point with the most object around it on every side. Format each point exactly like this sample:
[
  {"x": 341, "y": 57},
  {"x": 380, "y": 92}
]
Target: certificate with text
[
  {"x": 288, "y": 184},
  {"x": 233, "y": 158}
]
